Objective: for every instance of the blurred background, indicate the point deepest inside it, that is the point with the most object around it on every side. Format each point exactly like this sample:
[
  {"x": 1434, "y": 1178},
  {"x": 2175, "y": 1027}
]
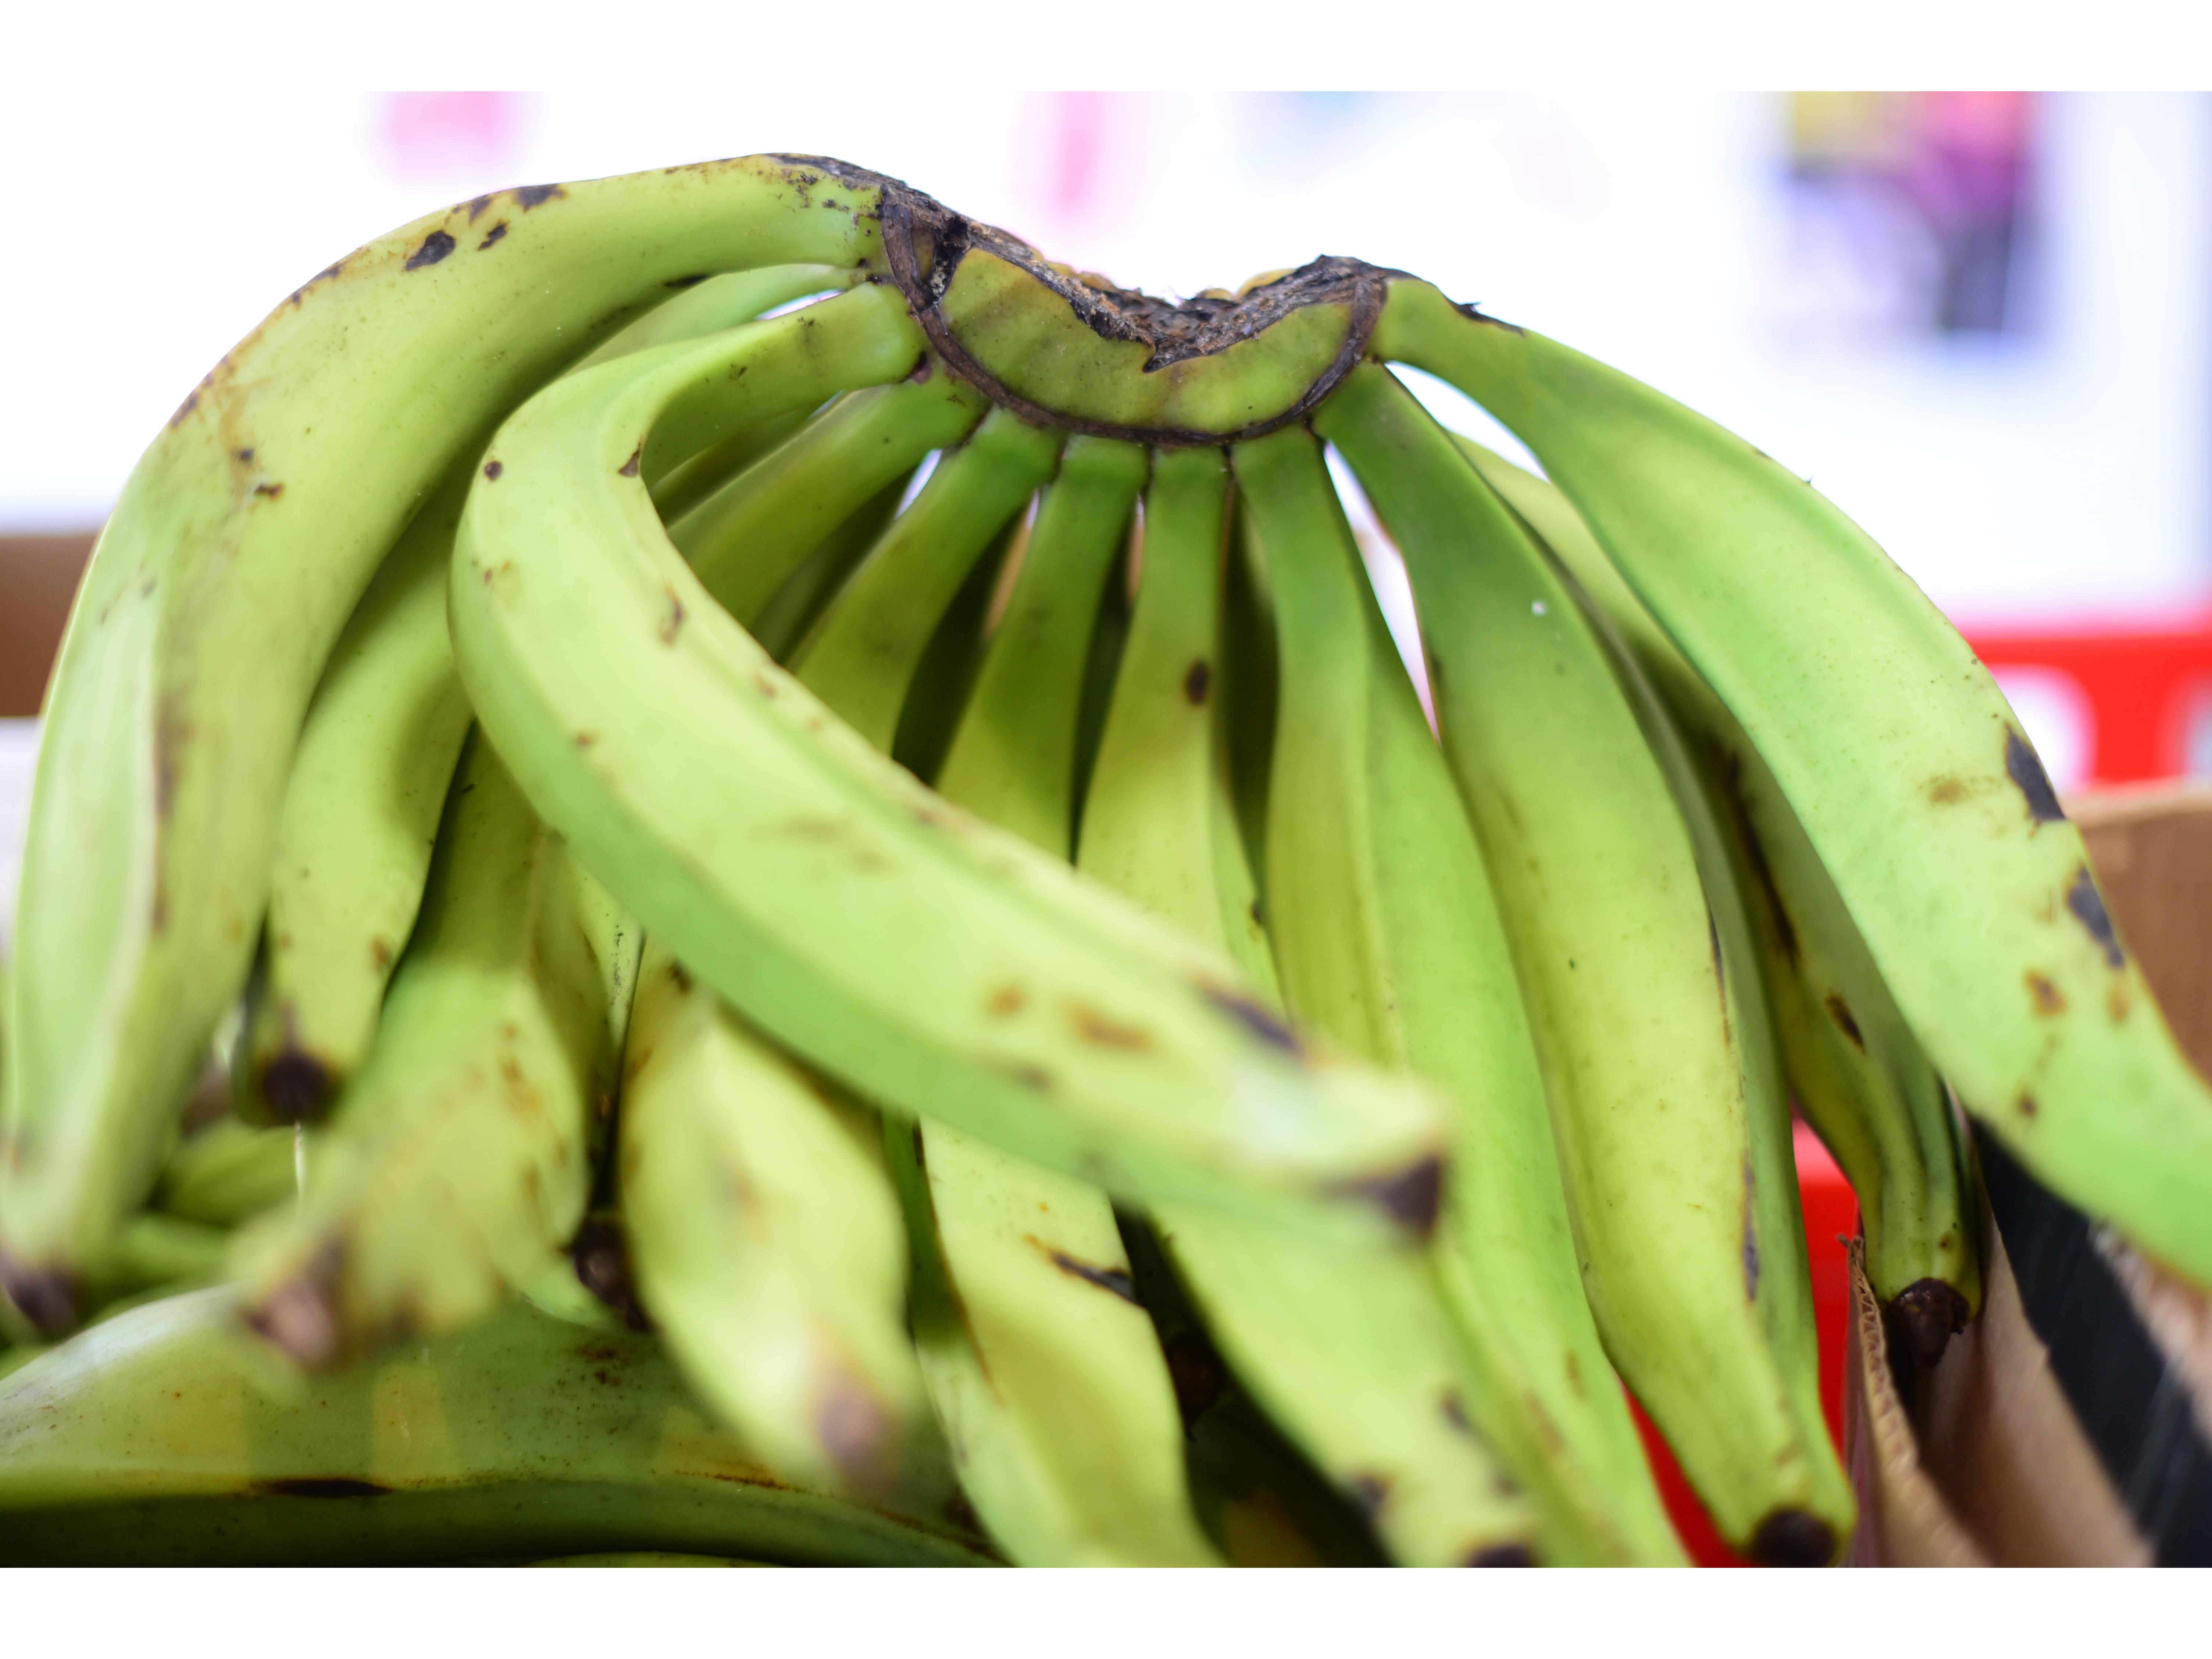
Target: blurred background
[{"x": 1980, "y": 322}]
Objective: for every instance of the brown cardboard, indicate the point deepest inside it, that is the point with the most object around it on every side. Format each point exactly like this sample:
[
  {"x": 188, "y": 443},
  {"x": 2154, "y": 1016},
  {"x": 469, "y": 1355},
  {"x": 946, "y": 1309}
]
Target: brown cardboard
[
  {"x": 38, "y": 579},
  {"x": 1994, "y": 1454}
]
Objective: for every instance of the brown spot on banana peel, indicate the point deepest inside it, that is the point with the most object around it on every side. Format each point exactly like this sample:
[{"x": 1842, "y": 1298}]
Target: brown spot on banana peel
[
  {"x": 856, "y": 1431},
  {"x": 1005, "y": 1002},
  {"x": 1922, "y": 1315},
  {"x": 492, "y": 239},
  {"x": 493, "y": 469},
  {"x": 50, "y": 1298},
  {"x": 435, "y": 246},
  {"x": 1369, "y": 1493},
  {"x": 628, "y": 468},
  {"x": 335, "y": 1485},
  {"x": 1196, "y": 682},
  {"x": 2025, "y": 1105},
  {"x": 2026, "y": 770},
  {"x": 674, "y": 622},
  {"x": 1840, "y": 1012},
  {"x": 527, "y": 196},
  {"x": 2088, "y": 905},
  {"x": 1116, "y": 1280},
  {"x": 1096, "y": 1029},
  {"x": 2048, "y": 998}
]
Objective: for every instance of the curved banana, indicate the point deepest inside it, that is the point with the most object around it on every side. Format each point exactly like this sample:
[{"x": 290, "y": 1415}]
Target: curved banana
[
  {"x": 1386, "y": 926},
  {"x": 369, "y": 781},
  {"x": 1863, "y": 1081},
  {"x": 375, "y": 757},
  {"x": 158, "y": 1438},
  {"x": 1046, "y": 1373},
  {"x": 459, "y": 1162},
  {"x": 783, "y": 622},
  {"x": 1899, "y": 757},
  {"x": 242, "y": 540},
  {"x": 1665, "y": 1112},
  {"x": 931, "y": 963},
  {"x": 1346, "y": 1347},
  {"x": 765, "y": 1240}
]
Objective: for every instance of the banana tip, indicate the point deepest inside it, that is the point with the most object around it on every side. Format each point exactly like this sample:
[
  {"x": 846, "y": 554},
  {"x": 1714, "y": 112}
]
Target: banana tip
[
  {"x": 1791, "y": 1538},
  {"x": 1410, "y": 1197},
  {"x": 1923, "y": 1315},
  {"x": 47, "y": 1296},
  {"x": 298, "y": 1319}
]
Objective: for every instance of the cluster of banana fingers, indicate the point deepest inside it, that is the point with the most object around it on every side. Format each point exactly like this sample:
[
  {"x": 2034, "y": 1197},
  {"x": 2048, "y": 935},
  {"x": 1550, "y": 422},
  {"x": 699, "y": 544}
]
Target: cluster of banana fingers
[{"x": 776, "y": 809}]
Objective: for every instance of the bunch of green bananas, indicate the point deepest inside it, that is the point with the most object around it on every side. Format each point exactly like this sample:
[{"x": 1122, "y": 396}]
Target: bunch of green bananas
[{"x": 764, "y": 799}]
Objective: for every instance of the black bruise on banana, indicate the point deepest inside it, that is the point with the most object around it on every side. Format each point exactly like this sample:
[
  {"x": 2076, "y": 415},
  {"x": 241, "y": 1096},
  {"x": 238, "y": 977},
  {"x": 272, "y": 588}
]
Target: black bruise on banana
[
  {"x": 435, "y": 246},
  {"x": 600, "y": 1252},
  {"x": 1196, "y": 682},
  {"x": 320, "y": 1486},
  {"x": 1106, "y": 1278},
  {"x": 1750, "y": 1239},
  {"x": 2088, "y": 905},
  {"x": 294, "y": 1086},
  {"x": 2025, "y": 769},
  {"x": 1840, "y": 1012}
]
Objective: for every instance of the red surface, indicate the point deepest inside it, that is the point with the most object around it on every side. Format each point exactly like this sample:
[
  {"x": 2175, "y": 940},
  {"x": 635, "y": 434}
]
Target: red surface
[{"x": 2140, "y": 683}]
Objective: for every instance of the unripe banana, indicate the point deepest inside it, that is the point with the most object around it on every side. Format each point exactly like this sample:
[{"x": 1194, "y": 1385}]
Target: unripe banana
[
  {"x": 765, "y": 1239},
  {"x": 837, "y": 904},
  {"x": 229, "y": 1170},
  {"x": 459, "y": 1162},
  {"x": 375, "y": 757},
  {"x": 1916, "y": 788},
  {"x": 1046, "y": 1373},
  {"x": 240, "y": 546},
  {"x": 1347, "y": 1348},
  {"x": 1658, "y": 1063},
  {"x": 1863, "y": 1081}
]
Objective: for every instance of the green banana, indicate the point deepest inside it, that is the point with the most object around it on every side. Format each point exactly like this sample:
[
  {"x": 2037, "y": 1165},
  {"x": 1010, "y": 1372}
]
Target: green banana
[
  {"x": 863, "y": 663},
  {"x": 368, "y": 780},
  {"x": 1045, "y": 1373},
  {"x": 836, "y": 903},
  {"x": 240, "y": 546},
  {"x": 1876, "y": 719},
  {"x": 746, "y": 539},
  {"x": 375, "y": 757},
  {"x": 1386, "y": 926},
  {"x": 1347, "y": 1348},
  {"x": 158, "y": 1438},
  {"x": 1657, "y": 1062},
  {"x": 459, "y": 1162},
  {"x": 763, "y": 1239},
  {"x": 229, "y": 1171},
  {"x": 1862, "y": 1079}
]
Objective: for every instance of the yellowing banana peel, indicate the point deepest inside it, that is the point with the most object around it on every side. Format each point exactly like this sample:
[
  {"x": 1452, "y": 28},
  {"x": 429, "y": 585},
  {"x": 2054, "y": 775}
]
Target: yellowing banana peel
[{"x": 948, "y": 970}]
